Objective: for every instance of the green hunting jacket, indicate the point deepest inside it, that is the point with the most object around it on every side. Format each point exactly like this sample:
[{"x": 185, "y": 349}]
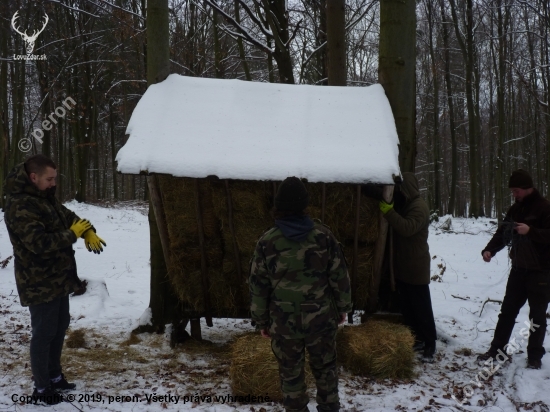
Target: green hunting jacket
[
  {"x": 38, "y": 226},
  {"x": 410, "y": 224},
  {"x": 299, "y": 288}
]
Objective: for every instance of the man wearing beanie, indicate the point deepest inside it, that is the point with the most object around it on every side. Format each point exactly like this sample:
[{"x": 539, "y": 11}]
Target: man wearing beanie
[
  {"x": 300, "y": 292},
  {"x": 526, "y": 231}
]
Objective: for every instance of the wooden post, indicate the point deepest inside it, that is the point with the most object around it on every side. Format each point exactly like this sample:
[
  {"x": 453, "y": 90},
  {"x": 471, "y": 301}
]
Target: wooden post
[
  {"x": 158, "y": 208},
  {"x": 323, "y": 202},
  {"x": 355, "y": 251},
  {"x": 196, "y": 329},
  {"x": 204, "y": 268},
  {"x": 232, "y": 230},
  {"x": 379, "y": 247}
]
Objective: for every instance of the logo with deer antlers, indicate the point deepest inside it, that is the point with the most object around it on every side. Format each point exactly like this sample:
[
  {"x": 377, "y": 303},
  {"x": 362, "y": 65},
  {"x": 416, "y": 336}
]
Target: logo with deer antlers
[{"x": 29, "y": 40}]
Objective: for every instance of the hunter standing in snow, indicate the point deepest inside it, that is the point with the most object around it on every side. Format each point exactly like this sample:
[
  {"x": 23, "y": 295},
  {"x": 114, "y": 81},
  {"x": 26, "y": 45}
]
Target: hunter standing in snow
[
  {"x": 42, "y": 232},
  {"x": 526, "y": 229},
  {"x": 300, "y": 292},
  {"x": 410, "y": 219}
]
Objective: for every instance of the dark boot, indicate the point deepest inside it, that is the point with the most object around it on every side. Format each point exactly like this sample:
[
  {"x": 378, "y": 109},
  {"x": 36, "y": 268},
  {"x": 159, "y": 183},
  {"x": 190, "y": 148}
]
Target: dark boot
[
  {"x": 490, "y": 354},
  {"x": 534, "y": 363},
  {"x": 63, "y": 385},
  {"x": 48, "y": 397},
  {"x": 429, "y": 352}
]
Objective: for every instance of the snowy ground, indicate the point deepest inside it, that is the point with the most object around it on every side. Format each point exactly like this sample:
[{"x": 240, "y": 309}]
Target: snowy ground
[{"x": 119, "y": 294}]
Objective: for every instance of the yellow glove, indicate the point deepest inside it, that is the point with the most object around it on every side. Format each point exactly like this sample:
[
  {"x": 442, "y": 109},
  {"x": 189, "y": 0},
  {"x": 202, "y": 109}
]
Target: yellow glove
[
  {"x": 385, "y": 207},
  {"x": 80, "y": 226},
  {"x": 93, "y": 242}
]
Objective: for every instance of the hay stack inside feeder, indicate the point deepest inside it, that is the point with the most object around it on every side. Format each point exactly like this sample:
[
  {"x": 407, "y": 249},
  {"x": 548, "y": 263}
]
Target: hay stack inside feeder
[
  {"x": 230, "y": 243},
  {"x": 254, "y": 369},
  {"x": 377, "y": 348}
]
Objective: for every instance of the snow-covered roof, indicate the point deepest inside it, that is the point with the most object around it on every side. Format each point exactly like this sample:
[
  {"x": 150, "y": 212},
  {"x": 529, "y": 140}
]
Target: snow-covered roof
[{"x": 196, "y": 127}]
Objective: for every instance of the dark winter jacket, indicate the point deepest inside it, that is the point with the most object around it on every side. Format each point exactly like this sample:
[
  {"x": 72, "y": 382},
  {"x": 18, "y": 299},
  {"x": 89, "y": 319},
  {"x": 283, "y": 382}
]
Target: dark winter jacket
[
  {"x": 530, "y": 251},
  {"x": 38, "y": 226},
  {"x": 410, "y": 222}
]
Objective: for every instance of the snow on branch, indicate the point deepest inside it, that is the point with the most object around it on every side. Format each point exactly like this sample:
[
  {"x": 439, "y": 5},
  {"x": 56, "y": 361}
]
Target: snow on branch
[{"x": 245, "y": 34}]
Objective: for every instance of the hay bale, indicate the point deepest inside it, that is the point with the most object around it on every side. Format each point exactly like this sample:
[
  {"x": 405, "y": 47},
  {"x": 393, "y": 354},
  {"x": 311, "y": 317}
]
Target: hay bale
[
  {"x": 254, "y": 369},
  {"x": 377, "y": 348},
  {"x": 76, "y": 339},
  {"x": 252, "y": 202}
]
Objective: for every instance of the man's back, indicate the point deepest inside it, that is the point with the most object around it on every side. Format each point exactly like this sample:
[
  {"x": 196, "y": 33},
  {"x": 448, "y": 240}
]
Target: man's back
[{"x": 300, "y": 287}]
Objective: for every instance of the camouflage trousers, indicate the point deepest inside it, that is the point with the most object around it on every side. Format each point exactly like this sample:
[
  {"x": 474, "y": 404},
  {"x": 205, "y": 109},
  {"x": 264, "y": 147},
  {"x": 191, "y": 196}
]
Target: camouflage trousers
[{"x": 290, "y": 354}]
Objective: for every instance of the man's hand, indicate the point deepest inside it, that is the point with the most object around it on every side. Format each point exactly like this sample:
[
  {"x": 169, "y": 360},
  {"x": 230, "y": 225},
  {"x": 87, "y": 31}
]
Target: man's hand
[
  {"x": 93, "y": 242},
  {"x": 385, "y": 207},
  {"x": 265, "y": 333},
  {"x": 521, "y": 228},
  {"x": 487, "y": 256},
  {"x": 343, "y": 317},
  {"x": 80, "y": 226}
]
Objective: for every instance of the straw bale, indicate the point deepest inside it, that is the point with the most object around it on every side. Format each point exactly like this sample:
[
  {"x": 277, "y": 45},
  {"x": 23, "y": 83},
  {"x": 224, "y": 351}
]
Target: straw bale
[
  {"x": 252, "y": 202},
  {"x": 377, "y": 348},
  {"x": 254, "y": 369}
]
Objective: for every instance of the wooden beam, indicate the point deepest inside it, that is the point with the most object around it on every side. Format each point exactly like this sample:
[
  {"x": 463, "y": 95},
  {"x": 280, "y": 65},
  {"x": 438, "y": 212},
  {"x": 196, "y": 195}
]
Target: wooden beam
[
  {"x": 379, "y": 249},
  {"x": 355, "y": 251},
  {"x": 160, "y": 217},
  {"x": 232, "y": 230},
  {"x": 204, "y": 267}
]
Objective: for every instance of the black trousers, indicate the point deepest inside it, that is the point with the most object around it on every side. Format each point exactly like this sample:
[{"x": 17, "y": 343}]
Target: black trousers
[
  {"x": 416, "y": 307},
  {"x": 524, "y": 285},
  {"x": 49, "y": 322}
]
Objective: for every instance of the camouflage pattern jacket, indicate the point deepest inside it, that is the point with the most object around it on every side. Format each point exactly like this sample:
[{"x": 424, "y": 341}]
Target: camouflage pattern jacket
[
  {"x": 38, "y": 226},
  {"x": 298, "y": 288}
]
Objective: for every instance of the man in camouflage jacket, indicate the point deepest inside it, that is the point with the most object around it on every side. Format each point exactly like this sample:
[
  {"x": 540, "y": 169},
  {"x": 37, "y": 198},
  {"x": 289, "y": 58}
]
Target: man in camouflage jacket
[
  {"x": 300, "y": 292},
  {"x": 42, "y": 232}
]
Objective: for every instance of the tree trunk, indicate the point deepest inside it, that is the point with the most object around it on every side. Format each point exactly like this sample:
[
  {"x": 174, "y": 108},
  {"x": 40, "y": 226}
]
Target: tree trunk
[
  {"x": 113, "y": 150},
  {"x": 435, "y": 141},
  {"x": 242, "y": 53},
  {"x": 163, "y": 302},
  {"x": 452, "y": 123},
  {"x": 277, "y": 19},
  {"x": 336, "y": 42},
  {"x": 4, "y": 130},
  {"x": 396, "y": 72}
]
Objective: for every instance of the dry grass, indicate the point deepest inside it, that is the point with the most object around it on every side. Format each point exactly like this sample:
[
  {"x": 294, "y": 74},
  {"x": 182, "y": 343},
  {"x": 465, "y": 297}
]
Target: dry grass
[
  {"x": 148, "y": 356},
  {"x": 228, "y": 253},
  {"x": 132, "y": 340},
  {"x": 76, "y": 339},
  {"x": 377, "y": 348}
]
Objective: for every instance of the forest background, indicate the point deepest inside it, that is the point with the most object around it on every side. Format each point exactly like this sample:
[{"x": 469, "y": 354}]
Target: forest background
[{"x": 482, "y": 82}]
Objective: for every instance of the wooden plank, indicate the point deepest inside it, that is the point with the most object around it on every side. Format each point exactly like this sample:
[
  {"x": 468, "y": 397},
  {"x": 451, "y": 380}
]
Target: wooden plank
[
  {"x": 204, "y": 267},
  {"x": 232, "y": 230},
  {"x": 379, "y": 249},
  {"x": 355, "y": 251},
  {"x": 160, "y": 217}
]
